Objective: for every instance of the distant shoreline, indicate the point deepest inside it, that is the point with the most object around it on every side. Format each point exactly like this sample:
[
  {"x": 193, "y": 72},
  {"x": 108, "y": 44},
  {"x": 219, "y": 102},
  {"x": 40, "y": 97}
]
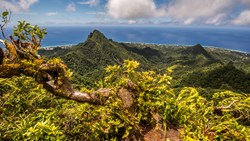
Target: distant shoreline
[
  {"x": 53, "y": 46},
  {"x": 177, "y": 45}
]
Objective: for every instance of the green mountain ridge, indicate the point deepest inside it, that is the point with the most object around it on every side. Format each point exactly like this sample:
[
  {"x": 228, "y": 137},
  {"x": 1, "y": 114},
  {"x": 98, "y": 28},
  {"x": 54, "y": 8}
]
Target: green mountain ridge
[
  {"x": 88, "y": 60},
  {"x": 224, "y": 77},
  {"x": 135, "y": 104},
  {"x": 97, "y": 36}
]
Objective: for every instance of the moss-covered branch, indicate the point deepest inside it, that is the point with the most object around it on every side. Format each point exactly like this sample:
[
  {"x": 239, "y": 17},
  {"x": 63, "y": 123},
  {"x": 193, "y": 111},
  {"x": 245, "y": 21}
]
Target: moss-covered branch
[{"x": 21, "y": 58}]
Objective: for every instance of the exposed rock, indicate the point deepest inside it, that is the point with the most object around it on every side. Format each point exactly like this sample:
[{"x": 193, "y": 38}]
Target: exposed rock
[
  {"x": 126, "y": 97},
  {"x": 157, "y": 133},
  {"x": 154, "y": 135},
  {"x": 103, "y": 91}
]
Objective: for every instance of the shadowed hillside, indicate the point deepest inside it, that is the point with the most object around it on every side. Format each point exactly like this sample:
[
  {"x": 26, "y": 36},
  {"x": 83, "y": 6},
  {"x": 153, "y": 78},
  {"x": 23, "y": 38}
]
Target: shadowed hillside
[
  {"x": 194, "y": 66},
  {"x": 225, "y": 77}
]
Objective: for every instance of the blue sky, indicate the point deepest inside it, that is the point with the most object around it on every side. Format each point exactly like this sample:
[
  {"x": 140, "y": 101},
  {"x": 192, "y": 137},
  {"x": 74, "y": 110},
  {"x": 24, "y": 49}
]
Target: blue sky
[{"x": 233, "y": 13}]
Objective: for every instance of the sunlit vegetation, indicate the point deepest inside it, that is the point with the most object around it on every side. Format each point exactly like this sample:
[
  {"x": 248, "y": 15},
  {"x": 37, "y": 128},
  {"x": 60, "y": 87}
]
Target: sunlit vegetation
[
  {"x": 140, "y": 101},
  {"x": 29, "y": 112}
]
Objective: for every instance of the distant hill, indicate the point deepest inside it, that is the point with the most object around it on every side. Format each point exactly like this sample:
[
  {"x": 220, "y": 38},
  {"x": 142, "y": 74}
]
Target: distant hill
[
  {"x": 88, "y": 60},
  {"x": 224, "y": 77}
]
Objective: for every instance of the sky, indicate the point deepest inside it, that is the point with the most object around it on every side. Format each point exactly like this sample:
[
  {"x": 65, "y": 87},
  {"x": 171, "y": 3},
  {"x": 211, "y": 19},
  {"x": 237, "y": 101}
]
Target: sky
[{"x": 220, "y": 13}]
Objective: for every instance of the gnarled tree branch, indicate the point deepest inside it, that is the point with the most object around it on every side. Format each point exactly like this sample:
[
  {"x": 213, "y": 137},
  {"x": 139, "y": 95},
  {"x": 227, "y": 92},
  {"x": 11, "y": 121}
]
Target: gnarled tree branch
[{"x": 51, "y": 75}]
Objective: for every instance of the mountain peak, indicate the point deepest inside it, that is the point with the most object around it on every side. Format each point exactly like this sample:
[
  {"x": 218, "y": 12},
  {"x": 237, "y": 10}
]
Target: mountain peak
[
  {"x": 198, "y": 49},
  {"x": 198, "y": 46},
  {"x": 97, "y": 36}
]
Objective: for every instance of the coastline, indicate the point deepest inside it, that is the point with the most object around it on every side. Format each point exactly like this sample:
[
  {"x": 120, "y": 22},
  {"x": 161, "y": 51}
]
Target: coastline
[
  {"x": 226, "y": 49},
  {"x": 68, "y": 45},
  {"x": 141, "y": 43},
  {"x": 57, "y": 46}
]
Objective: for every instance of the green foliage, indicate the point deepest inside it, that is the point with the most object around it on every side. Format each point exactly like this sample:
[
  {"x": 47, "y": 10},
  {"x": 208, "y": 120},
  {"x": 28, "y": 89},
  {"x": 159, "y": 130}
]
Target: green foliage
[
  {"x": 201, "y": 121},
  {"x": 149, "y": 89},
  {"x": 5, "y": 16},
  {"x": 88, "y": 59},
  {"x": 26, "y": 32},
  {"x": 28, "y": 112},
  {"x": 197, "y": 66},
  {"x": 57, "y": 63},
  {"x": 226, "y": 77}
]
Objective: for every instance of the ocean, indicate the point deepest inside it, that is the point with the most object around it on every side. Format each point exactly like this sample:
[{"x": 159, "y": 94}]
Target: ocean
[{"x": 228, "y": 38}]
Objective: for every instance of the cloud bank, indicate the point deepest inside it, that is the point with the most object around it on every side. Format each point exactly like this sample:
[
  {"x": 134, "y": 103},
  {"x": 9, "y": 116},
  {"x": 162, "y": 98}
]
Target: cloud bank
[
  {"x": 133, "y": 9},
  {"x": 208, "y": 12},
  {"x": 16, "y": 5},
  {"x": 211, "y": 12},
  {"x": 243, "y": 18}
]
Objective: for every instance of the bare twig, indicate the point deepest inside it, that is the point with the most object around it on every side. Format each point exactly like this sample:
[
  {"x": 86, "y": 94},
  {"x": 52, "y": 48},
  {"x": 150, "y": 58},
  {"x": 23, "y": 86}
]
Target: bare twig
[
  {"x": 6, "y": 20},
  {"x": 2, "y": 30},
  {"x": 226, "y": 107}
]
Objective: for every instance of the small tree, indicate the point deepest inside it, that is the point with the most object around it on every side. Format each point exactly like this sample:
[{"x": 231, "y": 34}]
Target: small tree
[{"x": 21, "y": 57}]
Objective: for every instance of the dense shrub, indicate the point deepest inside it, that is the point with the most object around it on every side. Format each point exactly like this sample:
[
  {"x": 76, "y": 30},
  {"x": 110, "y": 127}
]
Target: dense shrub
[{"x": 29, "y": 112}]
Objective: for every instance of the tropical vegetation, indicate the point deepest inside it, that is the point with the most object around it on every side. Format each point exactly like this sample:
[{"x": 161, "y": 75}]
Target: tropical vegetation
[{"x": 135, "y": 101}]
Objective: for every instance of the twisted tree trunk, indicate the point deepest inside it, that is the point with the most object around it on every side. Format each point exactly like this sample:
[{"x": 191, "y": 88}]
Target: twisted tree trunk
[{"x": 51, "y": 75}]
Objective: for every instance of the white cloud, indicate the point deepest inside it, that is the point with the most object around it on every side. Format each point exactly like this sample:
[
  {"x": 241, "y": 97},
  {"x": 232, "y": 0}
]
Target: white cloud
[
  {"x": 17, "y": 5},
  {"x": 25, "y": 4},
  {"x": 243, "y": 18},
  {"x": 209, "y": 12},
  {"x": 133, "y": 9},
  {"x": 71, "y": 7},
  {"x": 219, "y": 19},
  {"x": 205, "y": 11},
  {"x": 51, "y": 14},
  {"x": 90, "y": 2},
  {"x": 198, "y": 8},
  {"x": 7, "y": 5}
]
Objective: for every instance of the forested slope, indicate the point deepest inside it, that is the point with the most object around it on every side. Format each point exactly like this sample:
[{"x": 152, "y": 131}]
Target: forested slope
[
  {"x": 145, "y": 99},
  {"x": 191, "y": 64}
]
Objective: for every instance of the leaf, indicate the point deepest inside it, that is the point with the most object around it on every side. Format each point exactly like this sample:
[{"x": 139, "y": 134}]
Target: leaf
[
  {"x": 127, "y": 132},
  {"x": 41, "y": 110},
  {"x": 5, "y": 13}
]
